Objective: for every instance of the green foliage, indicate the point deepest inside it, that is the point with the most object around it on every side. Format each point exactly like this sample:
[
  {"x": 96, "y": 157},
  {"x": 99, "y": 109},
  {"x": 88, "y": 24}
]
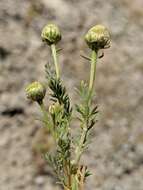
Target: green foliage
[
  {"x": 60, "y": 112},
  {"x": 64, "y": 159},
  {"x": 87, "y": 112}
]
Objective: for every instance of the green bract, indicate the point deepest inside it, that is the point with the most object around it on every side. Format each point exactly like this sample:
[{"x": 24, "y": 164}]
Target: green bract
[
  {"x": 98, "y": 37},
  {"x": 51, "y": 34},
  {"x": 35, "y": 91}
]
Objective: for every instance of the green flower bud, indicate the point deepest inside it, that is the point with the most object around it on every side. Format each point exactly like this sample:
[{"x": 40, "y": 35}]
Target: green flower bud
[
  {"x": 52, "y": 109},
  {"x": 36, "y": 91},
  {"x": 51, "y": 34},
  {"x": 98, "y": 37},
  {"x": 55, "y": 108}
]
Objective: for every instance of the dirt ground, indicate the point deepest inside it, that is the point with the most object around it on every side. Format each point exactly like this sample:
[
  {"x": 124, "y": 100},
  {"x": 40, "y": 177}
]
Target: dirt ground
[{"x": 115, "y": 156}]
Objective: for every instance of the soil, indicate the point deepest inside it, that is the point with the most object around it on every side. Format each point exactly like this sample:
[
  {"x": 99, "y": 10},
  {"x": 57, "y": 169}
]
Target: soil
[{"x": 115, "y": 156}]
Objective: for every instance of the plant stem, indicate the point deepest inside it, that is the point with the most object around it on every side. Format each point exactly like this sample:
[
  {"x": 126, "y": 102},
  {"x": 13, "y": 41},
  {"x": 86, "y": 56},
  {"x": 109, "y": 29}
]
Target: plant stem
[
  {"x": 66, "y": 188},
  {"x": 45, "y": 116},
  {"x": 54, "y": 54},
  {"x": 41, "y": 104},
  {"x": 92, "y": 73},
  {"x": 79, "y": 148}
]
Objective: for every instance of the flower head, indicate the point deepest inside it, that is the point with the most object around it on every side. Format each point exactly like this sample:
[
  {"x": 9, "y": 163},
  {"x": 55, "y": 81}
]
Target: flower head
[
  {"x": 55, "y": 108},
  {"x": 51, "y": 34},
  {"x": 98, "y": 37},
  {"x": 36, "y": 91}
]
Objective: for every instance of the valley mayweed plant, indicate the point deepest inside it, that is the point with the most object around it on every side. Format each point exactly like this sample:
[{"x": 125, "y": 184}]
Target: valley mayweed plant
[{"x": 65, "y": 156}]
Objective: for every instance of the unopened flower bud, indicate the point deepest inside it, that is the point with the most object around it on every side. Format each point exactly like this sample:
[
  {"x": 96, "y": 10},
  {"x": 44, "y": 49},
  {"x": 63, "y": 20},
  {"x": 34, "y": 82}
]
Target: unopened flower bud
[
  {"x": 36, "y": 91},
  {"x": 98, "y": 37},
  {"x": 55, "y": 108},
  {"x": 51, "y": 34},
  {"x": 52, "y": 109}
]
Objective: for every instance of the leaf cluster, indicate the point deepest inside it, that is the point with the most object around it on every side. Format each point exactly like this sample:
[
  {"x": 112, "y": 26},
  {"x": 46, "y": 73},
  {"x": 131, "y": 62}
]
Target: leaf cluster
[
  {"x": 60, "y": 114},
  {"x": 87, "y": 112}
]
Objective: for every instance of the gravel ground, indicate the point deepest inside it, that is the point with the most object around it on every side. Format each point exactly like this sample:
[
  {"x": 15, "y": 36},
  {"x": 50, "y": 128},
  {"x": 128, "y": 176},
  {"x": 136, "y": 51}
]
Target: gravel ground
[{"x": 116, "y": 155}]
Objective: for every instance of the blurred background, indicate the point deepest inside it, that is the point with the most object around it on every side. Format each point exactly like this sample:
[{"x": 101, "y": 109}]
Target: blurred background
[{"x": 115, "y": 156}]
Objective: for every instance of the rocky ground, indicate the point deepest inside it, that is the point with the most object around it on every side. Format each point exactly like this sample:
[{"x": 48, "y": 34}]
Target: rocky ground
[{"x": 116, "y": 155}]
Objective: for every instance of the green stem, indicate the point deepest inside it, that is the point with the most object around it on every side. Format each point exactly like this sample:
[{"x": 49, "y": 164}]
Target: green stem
[
  {"x": 78, "y": 150},
  {"x": 45, "y": 116},
  {"x": 74, "y": 183},
  {"x": 92, "y": 73},
  {"x": 43, "y": 109},
  {"x": 54, "y": 54}
]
